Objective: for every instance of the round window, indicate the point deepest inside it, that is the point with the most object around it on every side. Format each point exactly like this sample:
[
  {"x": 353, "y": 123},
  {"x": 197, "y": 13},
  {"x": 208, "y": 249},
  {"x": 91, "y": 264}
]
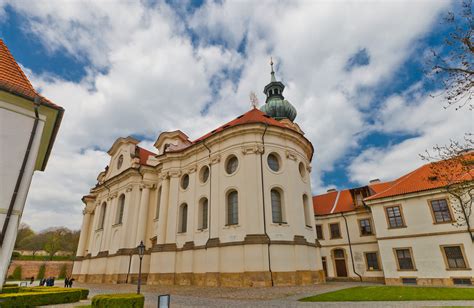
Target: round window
[
  {"x": 232, "y": 164},
  {"x": 204, "y": 174},
  {"x": 185, "y": 181},
  {"x": 273, "y": 162},
  {"x": 120, "y": 162},
  {"x": 302, "y": 170}
]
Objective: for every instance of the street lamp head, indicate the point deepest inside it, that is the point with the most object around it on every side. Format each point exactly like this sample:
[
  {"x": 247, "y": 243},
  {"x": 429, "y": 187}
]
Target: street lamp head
[{"x": 141, "y": 249}]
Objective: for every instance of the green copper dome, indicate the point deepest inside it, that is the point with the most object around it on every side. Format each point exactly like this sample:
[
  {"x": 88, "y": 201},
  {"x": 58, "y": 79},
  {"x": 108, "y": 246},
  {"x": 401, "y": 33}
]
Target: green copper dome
[
  {"x": 279, "y": 109},
  {"x": 276, "y": 105}
]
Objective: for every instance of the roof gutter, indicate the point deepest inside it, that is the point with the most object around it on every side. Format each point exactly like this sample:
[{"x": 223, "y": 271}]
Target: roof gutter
[{"x": 19, "y": 180}]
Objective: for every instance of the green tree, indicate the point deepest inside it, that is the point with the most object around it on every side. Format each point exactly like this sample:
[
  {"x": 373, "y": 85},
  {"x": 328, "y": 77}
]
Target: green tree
[
  {"x": 17, "y": 273},
  {"x": 63, "y": 272},
  {"x": 24, "y": 235},
  {"x": 41, "y": 271}
]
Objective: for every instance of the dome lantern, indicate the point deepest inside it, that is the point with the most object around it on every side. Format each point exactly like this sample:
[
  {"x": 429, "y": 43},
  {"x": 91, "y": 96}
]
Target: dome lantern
[{"x": 276, "y": 105}]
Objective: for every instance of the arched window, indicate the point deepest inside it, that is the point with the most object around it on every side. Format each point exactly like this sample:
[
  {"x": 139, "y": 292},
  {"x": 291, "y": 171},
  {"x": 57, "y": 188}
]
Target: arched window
[
  {"x": 307, "y": 212},
  {"x": 277, "y": 211},
  {"x": 183, "y": 218},
  {"x": 120, "y": 208},
  {"x": 232, "y": 208},
  {"x": 203, "y": 214},
  {"x": 158, "y": 200},
  {"x": 102, "y": 216}
]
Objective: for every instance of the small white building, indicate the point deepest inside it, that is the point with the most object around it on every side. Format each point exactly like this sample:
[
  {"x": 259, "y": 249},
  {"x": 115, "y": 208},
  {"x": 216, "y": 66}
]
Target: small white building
[{"x": 28, "y": 126}]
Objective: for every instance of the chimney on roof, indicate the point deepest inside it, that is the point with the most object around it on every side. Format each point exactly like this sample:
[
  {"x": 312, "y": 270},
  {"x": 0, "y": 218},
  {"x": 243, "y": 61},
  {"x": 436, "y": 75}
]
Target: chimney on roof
[
  {"x": 374, "y": 181},
  {"x": 331, "y": 190}
]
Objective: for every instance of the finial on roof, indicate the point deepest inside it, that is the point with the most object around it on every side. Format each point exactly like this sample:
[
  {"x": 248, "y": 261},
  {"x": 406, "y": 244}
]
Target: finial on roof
[{"x": 272, "y": 72}]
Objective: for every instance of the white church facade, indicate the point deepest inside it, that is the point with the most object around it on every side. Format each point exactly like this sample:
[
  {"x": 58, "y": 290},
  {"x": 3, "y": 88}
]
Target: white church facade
[{"x": 232, "y": 208}]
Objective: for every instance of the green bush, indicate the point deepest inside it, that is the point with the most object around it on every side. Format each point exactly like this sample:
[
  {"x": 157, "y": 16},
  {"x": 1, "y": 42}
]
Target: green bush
[
  {"x": 15, "y": 254},
  {"x": 63, "y": 272},
  {"x": 17, "y": 273},
  {"x": 39, "y": 298},
  {"x": 41, "y": 271},
  {"x": 125, "y": 300},
  {"x": 84, "y": 292},
  {"x": 12, "y": 289}
]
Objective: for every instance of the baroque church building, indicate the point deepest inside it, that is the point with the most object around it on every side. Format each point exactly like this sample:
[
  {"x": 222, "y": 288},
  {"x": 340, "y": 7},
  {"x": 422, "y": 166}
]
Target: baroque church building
[{"x": 231, "y": 208}]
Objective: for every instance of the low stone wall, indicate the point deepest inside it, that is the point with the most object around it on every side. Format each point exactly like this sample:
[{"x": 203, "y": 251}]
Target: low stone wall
[{"x": 31, "y": 268}]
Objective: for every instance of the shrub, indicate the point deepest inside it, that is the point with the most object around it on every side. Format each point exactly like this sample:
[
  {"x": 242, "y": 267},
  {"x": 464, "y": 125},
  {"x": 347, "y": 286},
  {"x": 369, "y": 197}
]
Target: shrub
[
  {"x": 41, "y": 271},
  {"x": 15, "y": 254},
  {"x": 39, "y": 298},
  {"x": 63, "y": 272},
  {"x": 125, "y": 300},
  {"x": 17, "y": 273}
]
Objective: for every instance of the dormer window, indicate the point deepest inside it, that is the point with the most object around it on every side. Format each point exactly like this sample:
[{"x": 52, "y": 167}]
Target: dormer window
[{"x": 120, "y": 162}]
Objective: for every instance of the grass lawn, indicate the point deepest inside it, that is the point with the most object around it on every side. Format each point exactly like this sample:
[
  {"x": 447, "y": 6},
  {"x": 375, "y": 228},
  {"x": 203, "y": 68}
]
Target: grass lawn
[{"x": 386, "y": 293}]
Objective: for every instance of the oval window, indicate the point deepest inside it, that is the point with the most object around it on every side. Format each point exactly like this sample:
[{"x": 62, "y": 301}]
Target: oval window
[
  {"x": 273, "y": 162},
  {"x": 232, "y": 164},
  {"x": 185, "y": 181},
  {"x": 204, "y": 174},
  {"x": 302, "y": 170},
  {"x": 120, "y": 162}
]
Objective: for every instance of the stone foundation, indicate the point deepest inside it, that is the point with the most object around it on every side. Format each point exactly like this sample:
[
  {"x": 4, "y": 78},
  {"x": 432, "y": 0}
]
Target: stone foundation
[{"x": 246, "y": 279}]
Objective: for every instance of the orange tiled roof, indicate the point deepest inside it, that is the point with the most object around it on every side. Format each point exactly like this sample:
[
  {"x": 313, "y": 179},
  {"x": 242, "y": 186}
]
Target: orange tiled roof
[
  {"x": 418, "y": 180},
  {"x": 252, "y": 116},
  {"x": 12, "y": 78},
  {"x": 143, "y": 155},
  {"x": 333, "y": 202}
]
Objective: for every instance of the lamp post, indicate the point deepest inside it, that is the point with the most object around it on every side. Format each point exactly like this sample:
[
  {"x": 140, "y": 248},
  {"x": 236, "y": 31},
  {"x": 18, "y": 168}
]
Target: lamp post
[{"x": 141, "y": 252}]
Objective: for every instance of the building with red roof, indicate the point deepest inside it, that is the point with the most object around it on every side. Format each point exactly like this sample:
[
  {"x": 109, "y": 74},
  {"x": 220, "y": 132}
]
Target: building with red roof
[
  {"x": 407, "y": 231},
  {"x": 29, "y": 123},
  {"x": 230, "y": 208}
]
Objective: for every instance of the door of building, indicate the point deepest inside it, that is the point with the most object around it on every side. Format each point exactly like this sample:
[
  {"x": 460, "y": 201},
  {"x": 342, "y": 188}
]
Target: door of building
[
  {"x": 325, "y": 267},
  {"x": 340, "y": 262}
]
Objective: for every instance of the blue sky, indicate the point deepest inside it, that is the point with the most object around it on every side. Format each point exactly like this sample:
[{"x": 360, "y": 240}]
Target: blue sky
[{"x": 353, "y": 71}]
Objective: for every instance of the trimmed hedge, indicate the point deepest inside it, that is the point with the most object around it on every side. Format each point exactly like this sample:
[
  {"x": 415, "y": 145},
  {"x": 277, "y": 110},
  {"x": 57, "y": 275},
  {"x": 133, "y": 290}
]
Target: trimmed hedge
[
  {"x": 17, "y": 273},
  {"x": 10, "y": 285},
  {"x": 12, "y": 289},
  {"x": 124, "y": 300},
  {"x": 39, "y": 298},
  {"x": 84, "y": 292}
]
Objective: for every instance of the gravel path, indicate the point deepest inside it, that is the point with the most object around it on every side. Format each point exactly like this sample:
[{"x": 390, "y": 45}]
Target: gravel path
[{"x": 182, "y": 296}]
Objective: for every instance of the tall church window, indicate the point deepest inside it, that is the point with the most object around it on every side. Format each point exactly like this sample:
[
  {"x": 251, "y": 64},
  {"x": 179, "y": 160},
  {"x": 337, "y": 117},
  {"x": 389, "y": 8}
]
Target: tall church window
[
  {"x": 102, "y": 216},
  {"x": 232, "y": 208},
  {"x": 120, "y": 208},
  {"x": 158, "y": 201},
  {"x": 203, "y": 214},
  {"x": 277, "y": 211},
  {"x": 307, "y": 212},
  {"x": 183, "y": 218}
]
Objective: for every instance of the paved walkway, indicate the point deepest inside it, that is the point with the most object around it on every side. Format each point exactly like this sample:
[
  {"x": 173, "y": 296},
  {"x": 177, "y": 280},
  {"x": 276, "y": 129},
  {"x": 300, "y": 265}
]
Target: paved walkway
[{"x": 182, "y": 296}]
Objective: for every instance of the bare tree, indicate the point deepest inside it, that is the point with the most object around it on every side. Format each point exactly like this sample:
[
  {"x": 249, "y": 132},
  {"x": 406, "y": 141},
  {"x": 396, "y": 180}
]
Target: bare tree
[
  {"x": 453, "y": 167},
  {"x": 453, "y": 64}
]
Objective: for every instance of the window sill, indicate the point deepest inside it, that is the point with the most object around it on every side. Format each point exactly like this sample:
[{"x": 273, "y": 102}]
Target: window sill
[
  {"x": 407, "y": 270},
  {"x": 229, "y": 226},
  {"x": 390, "y": 228},
  {"x": 181, "y": 233},
  {"x": 442, "y": 222},
  {"x": 98, "y": 230},
  {"x": 280, "y": 224},
  {"x": 116, "y": 225},
  {"x": 309, "y": 227},
  {"x": 459, "y": 269},
  {"x": 201, "y": 230},
  {"x": 155, "y": 219},
  {"x": 373, "y": 270},
  {"x": 336, "y": 238},
  {"x": 363, "y": 235}
]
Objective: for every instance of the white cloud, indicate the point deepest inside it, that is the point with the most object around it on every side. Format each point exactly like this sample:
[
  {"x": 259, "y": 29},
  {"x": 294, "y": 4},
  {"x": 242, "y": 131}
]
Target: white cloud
[{"x": 146, "y": 74}]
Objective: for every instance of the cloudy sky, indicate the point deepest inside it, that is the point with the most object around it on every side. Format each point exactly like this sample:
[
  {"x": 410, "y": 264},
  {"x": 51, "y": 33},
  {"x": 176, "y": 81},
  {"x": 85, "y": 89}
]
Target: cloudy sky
[{"x": 353, "y": 70}]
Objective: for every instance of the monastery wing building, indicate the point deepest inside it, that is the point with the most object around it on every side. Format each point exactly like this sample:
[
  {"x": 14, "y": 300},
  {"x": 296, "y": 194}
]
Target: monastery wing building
[
  {"x": 232, "y": 208},
  {"x": 407, "y": 231}
]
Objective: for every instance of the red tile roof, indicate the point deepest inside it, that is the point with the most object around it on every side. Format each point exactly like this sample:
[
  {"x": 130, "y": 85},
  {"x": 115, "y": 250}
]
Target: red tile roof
[
  {"x": 422, "y": 179},
  {"x": 12, "y": 78},
  {"x": 252, "y": 116},
  {"x": 418, "y": 180},
  {"x": 143, "y": 155}
]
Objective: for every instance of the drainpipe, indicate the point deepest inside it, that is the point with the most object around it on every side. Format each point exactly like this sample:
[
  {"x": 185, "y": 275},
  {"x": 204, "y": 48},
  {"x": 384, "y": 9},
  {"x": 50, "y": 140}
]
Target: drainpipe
[
  {"x": 210, "y": 196},
  {"x": 263, "y": 207},
  {"x": 37, "y": 103},
  {"x": 350, "y": 247}
]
